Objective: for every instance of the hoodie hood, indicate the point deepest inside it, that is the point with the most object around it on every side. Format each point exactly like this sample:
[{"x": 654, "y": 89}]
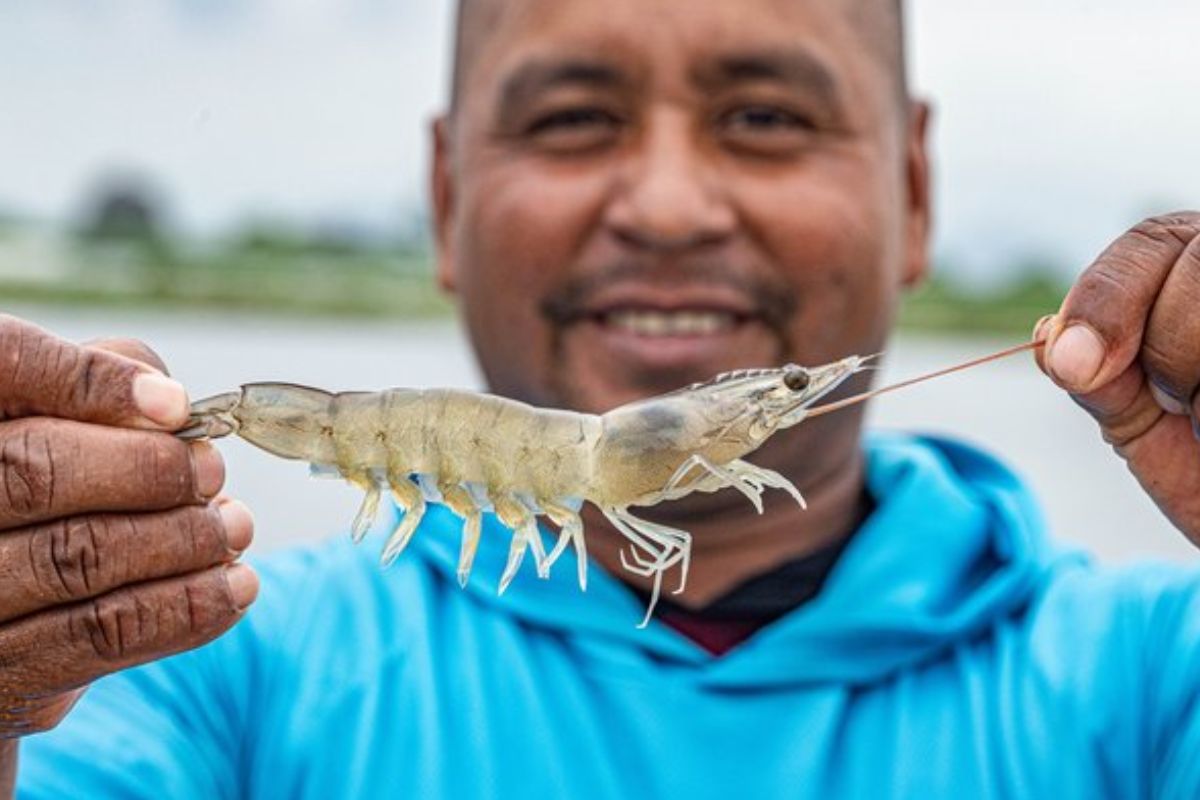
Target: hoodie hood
[{"x": 955, "y": 545}]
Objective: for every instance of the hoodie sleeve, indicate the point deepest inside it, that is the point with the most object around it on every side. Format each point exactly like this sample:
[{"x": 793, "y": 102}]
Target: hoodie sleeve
[
  {"x": 156, "y": 731},
  {"x": 184, "y": 727},
  {"x": 1172, "y": 659}
]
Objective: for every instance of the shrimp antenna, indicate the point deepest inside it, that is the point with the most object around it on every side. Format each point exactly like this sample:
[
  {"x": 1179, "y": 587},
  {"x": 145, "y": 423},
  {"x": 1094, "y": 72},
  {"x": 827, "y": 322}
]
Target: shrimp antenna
[{"x": 975, "y": 362}]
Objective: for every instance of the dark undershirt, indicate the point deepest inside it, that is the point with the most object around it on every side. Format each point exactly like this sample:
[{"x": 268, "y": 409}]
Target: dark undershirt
[{"x": 733, "y": 617}]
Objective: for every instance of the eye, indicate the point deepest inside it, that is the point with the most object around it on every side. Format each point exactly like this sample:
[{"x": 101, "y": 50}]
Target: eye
[
  {"x": 796, "y": 379},
  {"x": 572, "y": 129},
  {"x": 765, "y": 129},
  {"x": 572, "y": 118},
  {"x": 765, "y": 118}
]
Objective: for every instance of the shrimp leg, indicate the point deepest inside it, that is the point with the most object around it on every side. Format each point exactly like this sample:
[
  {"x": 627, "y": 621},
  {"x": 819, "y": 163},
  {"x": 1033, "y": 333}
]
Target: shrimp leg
[
  {"x": 412, "y": 502},
  {"x": 367, "y": 512},
  {"x": 673, "y": 539},
  {"x": 572, "y": 531},
  {"x": 523, "y": 524},
  {"x": 638, "y": 531},
  {"x": 761, "y": 476},
  {"x": 459, "y": 500},
  {"x": 727, "y": 476}
]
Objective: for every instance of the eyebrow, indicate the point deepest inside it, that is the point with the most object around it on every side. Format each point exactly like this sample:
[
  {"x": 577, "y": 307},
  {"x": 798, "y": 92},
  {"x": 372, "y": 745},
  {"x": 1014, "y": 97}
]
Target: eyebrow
[
  {"x": 795, "y": 67},
  {"x": 535, "y": 77}
]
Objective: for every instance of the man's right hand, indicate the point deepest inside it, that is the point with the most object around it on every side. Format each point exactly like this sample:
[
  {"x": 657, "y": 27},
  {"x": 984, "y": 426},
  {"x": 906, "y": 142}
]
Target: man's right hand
[{"x": 114, "y": 547}]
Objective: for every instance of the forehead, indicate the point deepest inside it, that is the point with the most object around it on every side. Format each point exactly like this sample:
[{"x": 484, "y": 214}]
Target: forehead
[{"x": 641, "y": 34}]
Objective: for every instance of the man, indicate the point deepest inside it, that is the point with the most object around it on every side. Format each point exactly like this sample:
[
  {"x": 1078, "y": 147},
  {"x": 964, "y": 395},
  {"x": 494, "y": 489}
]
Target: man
[{"x": 631, "y": 195}]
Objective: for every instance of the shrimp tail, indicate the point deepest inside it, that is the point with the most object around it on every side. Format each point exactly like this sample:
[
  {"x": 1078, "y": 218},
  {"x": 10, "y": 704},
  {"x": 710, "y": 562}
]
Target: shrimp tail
[{"x": 212, "y": 418}]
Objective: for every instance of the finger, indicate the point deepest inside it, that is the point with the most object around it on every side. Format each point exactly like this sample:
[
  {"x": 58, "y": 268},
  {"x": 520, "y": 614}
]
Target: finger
[
  {"x": 1100, "y": 327},
  {"x": 132, "y": 349},
  {"x": 64, "y": 648},
  {"x": 66, "y": 561},
  {"x": 1124, "y": 407},
  {"x": 1171, "y": 350},
  {"x": 1133, "y": 420},
  {"x": 51, "y": 468},
  {"x": 42, "y": 375}
]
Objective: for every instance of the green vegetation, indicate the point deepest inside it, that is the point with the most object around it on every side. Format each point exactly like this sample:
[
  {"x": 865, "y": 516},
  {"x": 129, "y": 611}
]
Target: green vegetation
[
  {"x": 380, "y": 287},
  {"x": 261, "y": 270},
  {"x": 942, "y": 305}
]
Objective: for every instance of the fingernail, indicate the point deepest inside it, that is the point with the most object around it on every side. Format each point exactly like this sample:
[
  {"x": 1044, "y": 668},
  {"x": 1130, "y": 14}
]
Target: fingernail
[
  {"x": 1039, "y": 330},
  {"x": 243, "y": 585},
  {"x": 209, "y": 469},
  {"x": 160, "y": 399},
  {"x": 239, "y": 525},
  {"x": 1076, "y": 357}
]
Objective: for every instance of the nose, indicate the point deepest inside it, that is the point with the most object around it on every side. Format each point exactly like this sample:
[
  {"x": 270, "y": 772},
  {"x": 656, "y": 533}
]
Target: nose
[{"x": 668, "y": 196}]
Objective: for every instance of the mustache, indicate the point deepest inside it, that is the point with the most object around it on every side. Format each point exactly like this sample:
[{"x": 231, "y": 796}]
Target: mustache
[{"x": 773, "y": 301}]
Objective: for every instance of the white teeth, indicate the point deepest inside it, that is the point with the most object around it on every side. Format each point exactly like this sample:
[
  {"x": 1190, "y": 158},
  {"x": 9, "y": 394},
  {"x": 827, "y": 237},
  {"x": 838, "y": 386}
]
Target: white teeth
[{"x": 671, "y": 323}]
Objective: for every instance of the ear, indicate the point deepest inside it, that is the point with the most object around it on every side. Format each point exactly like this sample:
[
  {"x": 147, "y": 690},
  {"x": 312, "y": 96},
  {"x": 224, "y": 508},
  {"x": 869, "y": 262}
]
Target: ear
[
  {"x": 442, "y": 191},
  {"x": 920, "y": 200}
]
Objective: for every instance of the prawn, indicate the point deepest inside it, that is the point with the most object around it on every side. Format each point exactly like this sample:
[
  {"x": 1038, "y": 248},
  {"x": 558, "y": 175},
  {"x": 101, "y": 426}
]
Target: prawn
[{"x": 477, "y": 453}]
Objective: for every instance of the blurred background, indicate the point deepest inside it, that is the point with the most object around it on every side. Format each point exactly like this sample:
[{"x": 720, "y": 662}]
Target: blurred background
[{"x": 241, "y": 184}]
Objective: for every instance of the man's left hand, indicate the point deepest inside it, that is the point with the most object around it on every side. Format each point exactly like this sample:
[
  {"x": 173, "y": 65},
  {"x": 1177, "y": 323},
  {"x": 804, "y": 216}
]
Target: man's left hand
[{"x": 1126, "y": 345}]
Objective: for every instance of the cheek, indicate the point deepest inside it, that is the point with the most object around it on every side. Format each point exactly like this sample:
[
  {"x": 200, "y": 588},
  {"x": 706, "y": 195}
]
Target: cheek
[
  {"x": 831, "y": 235},
  {"x": 519, "y": 232},
  {"x": 524, "y": 223}
]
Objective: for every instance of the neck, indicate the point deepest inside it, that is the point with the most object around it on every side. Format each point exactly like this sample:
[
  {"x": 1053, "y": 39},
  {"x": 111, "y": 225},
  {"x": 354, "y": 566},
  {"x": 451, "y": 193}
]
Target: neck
[{"x": 731, "y": 542}]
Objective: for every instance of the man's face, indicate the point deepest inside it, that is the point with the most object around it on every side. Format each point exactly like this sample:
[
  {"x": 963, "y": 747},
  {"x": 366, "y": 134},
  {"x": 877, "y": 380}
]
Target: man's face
[{"x": 637, "y": 194}]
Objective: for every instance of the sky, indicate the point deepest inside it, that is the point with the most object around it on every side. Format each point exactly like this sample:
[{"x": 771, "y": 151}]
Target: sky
[{"x": 1058, "y": 125}]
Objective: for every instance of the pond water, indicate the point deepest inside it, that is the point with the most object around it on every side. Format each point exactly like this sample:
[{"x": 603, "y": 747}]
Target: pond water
[{"x": 1007, "y": 407}]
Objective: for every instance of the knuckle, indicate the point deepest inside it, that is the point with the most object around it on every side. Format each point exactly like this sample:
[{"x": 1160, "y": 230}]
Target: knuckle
[
  {"x": 29, "y": 470},
  {"x": 195, "y": 611},
  {"x": 124, "y": 626},
  {"x": 1138, "y": 262},
  {"x": 115, "y": 626},
  {"x": 1121, "y": 427},
  {"x": 101, "y": 624},
  {"x": 83, "y": 379},
  {"x": 65, "y": 558},
  {"x": 1170, "y": 230},
  {"x": 1126, "y": 269},
  {"x": 1111, "y": 276}
]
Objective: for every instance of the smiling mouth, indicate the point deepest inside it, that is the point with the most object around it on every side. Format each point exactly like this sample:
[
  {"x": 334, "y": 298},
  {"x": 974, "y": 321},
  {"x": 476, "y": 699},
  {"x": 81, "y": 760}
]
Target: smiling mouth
[{"x": 675, "y": 323}]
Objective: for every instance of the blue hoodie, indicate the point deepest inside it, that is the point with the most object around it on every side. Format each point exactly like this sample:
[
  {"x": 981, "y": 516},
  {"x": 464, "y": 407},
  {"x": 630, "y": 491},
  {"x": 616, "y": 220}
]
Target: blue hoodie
[{"x": 953, "y": 652}]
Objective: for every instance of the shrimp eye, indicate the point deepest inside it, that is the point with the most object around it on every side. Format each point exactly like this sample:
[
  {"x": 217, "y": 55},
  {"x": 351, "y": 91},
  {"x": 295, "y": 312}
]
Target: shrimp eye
[{"x": 796, "y": 379}]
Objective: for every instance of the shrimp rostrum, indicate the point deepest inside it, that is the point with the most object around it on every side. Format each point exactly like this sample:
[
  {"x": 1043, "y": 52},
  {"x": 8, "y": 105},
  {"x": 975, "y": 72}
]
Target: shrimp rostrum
[{"x": 480, "y": 453}]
